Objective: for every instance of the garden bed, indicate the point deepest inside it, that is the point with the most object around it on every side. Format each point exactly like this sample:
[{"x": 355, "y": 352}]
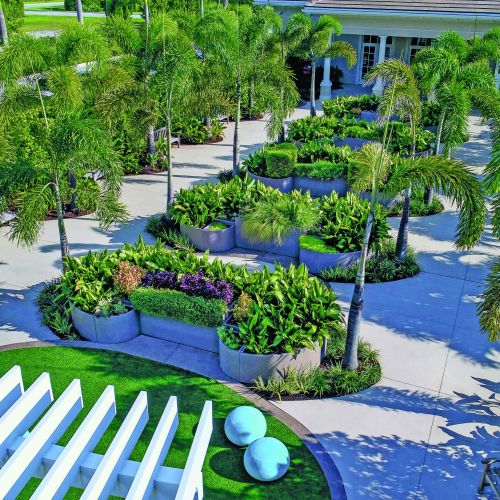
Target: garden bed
[
  {"x": 211, "y": 237},
  {"x": 320, "y": 187},
  {"x": 285, "y": 184}
]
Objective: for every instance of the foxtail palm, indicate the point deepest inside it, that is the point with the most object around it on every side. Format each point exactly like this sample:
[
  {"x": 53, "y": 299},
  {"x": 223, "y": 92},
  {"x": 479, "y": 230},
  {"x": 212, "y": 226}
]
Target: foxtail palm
[
  {"x": 403, "y": 90},
  {"x": 4, "y": 35},
  {"x": 79, "y": 11},
  {"x": 374, "y": 167},
  {"x": 317, "y": 43}
]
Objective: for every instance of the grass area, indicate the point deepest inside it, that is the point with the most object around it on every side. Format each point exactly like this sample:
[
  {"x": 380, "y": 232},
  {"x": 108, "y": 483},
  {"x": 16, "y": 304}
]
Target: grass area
[
  {"x": 315, "y": 244},
  {"x": 329, "y": 379},
  {"x": 223, "y": 473},
  {"x": 45, "y": 23},
  {"x": 380, "y": 268},
  {"x": 49, "y": 7},
  {"x": 217, "y": 226}
]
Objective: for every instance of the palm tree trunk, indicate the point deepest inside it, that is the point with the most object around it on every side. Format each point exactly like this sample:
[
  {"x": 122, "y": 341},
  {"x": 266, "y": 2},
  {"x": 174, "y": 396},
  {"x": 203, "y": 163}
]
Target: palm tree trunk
[
  {"x": 4, "y": 36},
  {"x": 146, "y": 14},
  {"x": 251, "y": 92},
  {"x": 402, "y": 241},
  {"x": 72, "y": 184},
  {"x": 208, "y": 124},
  {"x": 202, "y": 8},
  {"x": 151, "y": 140},
  {"x": 429, "y": 192},
  {"x": 350, "y": 359},
  {"x": 63, "y": 238},
  {"x": 170, "y": 194},
  {"x": 312, "y": 93},
  {"x": 79, "y": 11},
  {"x": 236, "y": 140},
  {"x": 226, "y": 3}
]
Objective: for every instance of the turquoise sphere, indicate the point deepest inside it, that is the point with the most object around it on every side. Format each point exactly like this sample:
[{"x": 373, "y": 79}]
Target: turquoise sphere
[
  {"x": 244, "y": 425},
  {"x": 266, "y": 459}
]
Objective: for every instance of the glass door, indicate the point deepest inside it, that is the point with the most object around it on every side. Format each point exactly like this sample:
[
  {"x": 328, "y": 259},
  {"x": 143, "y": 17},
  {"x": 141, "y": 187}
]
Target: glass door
[{"x": 370, "y": 43}]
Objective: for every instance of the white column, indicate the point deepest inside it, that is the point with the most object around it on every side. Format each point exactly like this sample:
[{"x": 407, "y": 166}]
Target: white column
[
  {"x": 325, "y": 91},
  {"x": 378, "y": 88}
]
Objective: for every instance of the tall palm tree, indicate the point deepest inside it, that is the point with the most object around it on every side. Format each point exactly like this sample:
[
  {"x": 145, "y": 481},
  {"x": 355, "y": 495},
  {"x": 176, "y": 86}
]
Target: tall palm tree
[
  {"x": 317, "y": 43},
  {"x": 450, "y": 176},
  {"x": 403, "y": 90},
  {"x": 4, "y": 35},
  {"x": 453, "y": 72},
  {"x": 79, "y": 11}
]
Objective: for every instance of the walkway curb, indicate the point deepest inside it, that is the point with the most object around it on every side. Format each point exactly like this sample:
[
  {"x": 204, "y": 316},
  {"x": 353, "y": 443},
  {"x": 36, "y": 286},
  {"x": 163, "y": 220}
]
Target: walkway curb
[{"x": 332, "y": 474}]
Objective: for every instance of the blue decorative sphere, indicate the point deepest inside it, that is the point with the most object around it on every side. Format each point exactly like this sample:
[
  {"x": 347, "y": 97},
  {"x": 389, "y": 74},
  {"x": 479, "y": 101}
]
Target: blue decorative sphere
[
  {"x": 244, "y": 425},
  {"x": 266, "y": 459}
]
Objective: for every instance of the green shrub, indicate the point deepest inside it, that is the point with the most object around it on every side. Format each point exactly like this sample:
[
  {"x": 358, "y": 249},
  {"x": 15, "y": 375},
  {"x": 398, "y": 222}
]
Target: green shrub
[
  {"x": 279, "y": 164},
  {"x": 316, "y": 244},
  {"x": 173, "y": 304},
  {"x": 257, "y": 163},
  {"x": 323, "y": 150},
  {"x": 324, "y": 170},
  {"x": 312, "y": 128},
  {"x": 418, "y": 208},
  {"x": 330, "y": 379},
  {"x": 275, "y": 219},
  {"x": 168, "y": 232},
  {"x": 343, "y": 222},
  {"x": 193, "y": 131},
  {"x": 380, "y": 268},
  {"x": 350, "y": 106}
]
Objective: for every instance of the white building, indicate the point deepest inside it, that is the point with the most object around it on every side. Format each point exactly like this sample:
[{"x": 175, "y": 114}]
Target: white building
[{"x": 379, "y": 29}]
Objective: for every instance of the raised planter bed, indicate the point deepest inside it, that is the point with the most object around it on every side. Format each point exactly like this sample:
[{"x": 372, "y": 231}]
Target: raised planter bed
[
  {"x": 352, "y": 142},
  {"x": 320, "y": 187},
  {"x": 106, "y": 330},
  {"x": 285, "y": 184},
  {"x": 246, "y": 367},
  {"x": 369, "y": 116},
  {"x": 173, "y": 330},
  {"x": 289, "y": 248},
  {"x": 204, "y": 239},
  {"x": 317, "y": 262}
]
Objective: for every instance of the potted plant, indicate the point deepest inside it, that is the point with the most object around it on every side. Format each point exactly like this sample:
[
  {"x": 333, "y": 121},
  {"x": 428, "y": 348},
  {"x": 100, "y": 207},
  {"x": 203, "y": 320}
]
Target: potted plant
[
  {"x": 321, "y": 178},
  {"x": 281, "y": 326},
  {"x": 218, "y": 236},
  {"x": 275, "y": 223},
  {"x": 338, "y": 241}
]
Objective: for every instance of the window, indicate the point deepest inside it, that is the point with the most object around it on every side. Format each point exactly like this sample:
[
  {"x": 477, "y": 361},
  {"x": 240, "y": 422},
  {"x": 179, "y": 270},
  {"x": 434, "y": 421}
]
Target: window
[{"x": 416, "y": 44}]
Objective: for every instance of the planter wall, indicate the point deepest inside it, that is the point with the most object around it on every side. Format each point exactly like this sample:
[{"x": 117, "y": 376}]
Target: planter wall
[
  {"x": 369, "y": 116},
  {"x": 111, "y": 330},
  {"x": 285, "y": 185},
  {"x": 200, "y": 337},
  {"x": 383, "y": 200},
  {"x": 246, "y": 367},
  {"x": 289, "y": 248},
  {"x": 319, "y": 187},
  {"x": 319, "y": 261},
  {"x": 352, "y": 142},
  {"x": 215, "y": 241}
]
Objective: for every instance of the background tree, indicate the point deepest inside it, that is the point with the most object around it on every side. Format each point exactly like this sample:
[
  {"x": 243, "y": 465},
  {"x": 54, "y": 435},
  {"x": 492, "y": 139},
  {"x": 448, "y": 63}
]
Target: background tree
[
  {"x": 12, "y": 12},
  {"x": 4, "y": 36},
  {"x": 317, "y": 43}
]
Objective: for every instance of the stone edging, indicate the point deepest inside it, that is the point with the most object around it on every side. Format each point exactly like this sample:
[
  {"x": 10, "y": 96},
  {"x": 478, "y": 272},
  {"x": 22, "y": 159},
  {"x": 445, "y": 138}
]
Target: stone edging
[{"x": 332, "y": 475}]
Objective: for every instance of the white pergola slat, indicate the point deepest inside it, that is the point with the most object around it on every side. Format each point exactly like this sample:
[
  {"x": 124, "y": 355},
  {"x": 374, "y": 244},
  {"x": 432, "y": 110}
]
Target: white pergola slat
[
  {"x": 11, "y": 388},
  {"x": 36, "y": 454}
]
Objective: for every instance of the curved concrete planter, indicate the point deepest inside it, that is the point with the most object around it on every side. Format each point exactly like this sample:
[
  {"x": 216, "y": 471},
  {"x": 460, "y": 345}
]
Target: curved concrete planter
[
  {"x": 369, "y": 116},
  {"x": 246, "y": 367},
  {"x": 203, "y": 239},
  {"x": 110, "y": 330},
  {"x": 319, "y": 261},
  {"x": 352, "y": 142},
  {"x": 289, "y": 248},
  {"x": 285, "y": 184},
  {"x": 173, "y": 330},
  {"x": 383, "y": 200},
  {"x": 319, "y": 187}
]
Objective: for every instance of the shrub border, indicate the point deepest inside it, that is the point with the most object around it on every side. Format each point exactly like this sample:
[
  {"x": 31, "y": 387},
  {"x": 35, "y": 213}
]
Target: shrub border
[{"x": 330, "y": 470}]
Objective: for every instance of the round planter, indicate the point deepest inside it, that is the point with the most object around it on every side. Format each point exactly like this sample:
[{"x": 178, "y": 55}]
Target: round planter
[
  {"x": 383, "y": 200},
  {"x": 110, "y": 330},
  {"x": 289, "y": 248},
  {"x": 285, "y": 184},
  {"x": 320, "y": 187},
  {"x": 369, "y": 116},
  {"x": 203, "y": 239},
  {"x": 352, "y": 142},
  {"x": 246, "y": 368},
  {"x": 319, "y": 261}
]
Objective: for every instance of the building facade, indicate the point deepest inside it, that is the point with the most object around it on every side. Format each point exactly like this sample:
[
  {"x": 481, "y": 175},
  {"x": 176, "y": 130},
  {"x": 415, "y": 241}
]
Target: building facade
[{"x": 380, "y": 29}]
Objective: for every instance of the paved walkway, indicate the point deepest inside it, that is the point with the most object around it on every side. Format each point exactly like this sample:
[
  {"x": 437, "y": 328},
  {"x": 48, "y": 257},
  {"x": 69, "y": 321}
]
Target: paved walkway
[{"x": 420, "y": 433}]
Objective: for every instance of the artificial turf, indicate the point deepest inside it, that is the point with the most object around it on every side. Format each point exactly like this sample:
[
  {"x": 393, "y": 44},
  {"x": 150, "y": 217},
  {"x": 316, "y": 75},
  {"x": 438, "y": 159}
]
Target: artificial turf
[{"x": 223, "y": 472}]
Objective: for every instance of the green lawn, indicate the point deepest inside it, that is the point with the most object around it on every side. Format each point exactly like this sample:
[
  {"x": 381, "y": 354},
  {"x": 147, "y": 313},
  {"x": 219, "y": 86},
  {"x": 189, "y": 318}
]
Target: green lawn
[
  {"x": 49, "y": 7},
  {"x": 223, "y": 472},
  {"x": 43, "y": 23}
]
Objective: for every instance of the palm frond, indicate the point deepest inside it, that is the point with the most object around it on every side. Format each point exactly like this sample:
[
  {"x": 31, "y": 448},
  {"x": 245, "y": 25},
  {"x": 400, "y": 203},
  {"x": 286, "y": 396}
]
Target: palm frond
[
  {"x": 342, "y": 49},
  {"x": 364, "y": 165},
  {"x": 489, "y": 308},
  {"x": 66, "y": 87}
]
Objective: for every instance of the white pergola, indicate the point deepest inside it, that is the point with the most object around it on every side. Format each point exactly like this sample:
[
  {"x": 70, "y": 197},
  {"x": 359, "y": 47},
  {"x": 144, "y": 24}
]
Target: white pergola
[{"x": 24, "y": 454}]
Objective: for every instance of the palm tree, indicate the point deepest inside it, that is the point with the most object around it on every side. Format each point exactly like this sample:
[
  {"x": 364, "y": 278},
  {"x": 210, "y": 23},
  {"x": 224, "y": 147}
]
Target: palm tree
[
  {"x": 403, "y": 90},
  {"x": 374, "y": 167},
  {"x": 4, "y": 36},
  {"x": 79, "y": 11},
  {"x": 317, "y": 43},
  {"x": 453, "y": 73}
]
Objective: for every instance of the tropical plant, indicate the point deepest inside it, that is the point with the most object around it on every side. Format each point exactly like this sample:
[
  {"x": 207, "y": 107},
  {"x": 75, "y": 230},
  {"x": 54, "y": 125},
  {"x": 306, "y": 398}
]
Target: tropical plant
[{"x": 317, "y": 43}]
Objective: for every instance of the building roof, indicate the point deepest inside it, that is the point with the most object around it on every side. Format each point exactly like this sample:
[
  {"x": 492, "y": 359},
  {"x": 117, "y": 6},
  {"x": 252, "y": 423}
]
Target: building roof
[{"x": 471, "y": 7}]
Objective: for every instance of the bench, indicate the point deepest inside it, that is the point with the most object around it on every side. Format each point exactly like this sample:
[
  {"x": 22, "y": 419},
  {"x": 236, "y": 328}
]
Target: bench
[
  {"x": 491, "y": 476},
  {"x": 161, "y": 133}
]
